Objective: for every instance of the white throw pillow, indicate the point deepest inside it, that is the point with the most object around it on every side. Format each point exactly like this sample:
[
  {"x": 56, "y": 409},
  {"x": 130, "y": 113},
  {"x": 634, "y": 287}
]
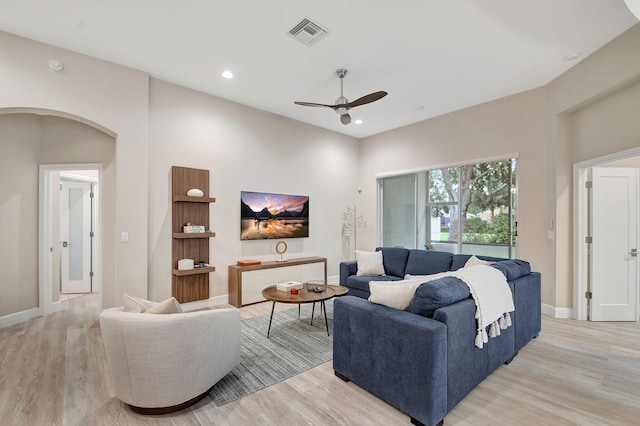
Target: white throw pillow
[
  {"x": 369, "y": 263},
  {"x": 473, "y": 261},
  {"x": 136, "y": 304},
  {"x": 394, "y": 294},
  {"x": 168, "y": 306},
  {"x": 426, "y": 278}
]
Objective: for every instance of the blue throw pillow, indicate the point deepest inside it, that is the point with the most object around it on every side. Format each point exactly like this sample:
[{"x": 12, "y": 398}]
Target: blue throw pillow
[
  {"x": 435, "y": 294},
  {"x": 394, "y": 260},
  {"x": 425, "y": 262},
  {"x": 459, "y": 260},
  {"x": 513, "y": 268}
]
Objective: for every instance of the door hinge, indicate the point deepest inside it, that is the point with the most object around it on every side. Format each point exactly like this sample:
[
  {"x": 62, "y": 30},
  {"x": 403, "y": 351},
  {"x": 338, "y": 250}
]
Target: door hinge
[
  {"x": 91, "y": 234},
  {"x": 587, "y": 294},
  {"x": 588, "y": 240},
  {"x": 91, "y": 195},
  {"x": 91, "y": 274},
  {"x": 588, "y": 184}
]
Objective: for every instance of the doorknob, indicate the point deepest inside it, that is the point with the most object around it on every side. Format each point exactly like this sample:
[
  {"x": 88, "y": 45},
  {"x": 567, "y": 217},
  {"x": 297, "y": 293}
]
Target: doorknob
[{"x": 633, "y": 252}]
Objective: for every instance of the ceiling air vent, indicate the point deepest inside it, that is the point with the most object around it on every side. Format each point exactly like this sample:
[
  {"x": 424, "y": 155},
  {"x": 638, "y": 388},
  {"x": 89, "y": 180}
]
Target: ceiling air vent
[{"x": 308, "y": 32}]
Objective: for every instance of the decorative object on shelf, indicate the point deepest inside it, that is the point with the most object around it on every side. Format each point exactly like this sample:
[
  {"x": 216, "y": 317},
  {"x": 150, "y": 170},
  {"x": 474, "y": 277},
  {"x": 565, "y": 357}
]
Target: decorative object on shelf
[
  {"x": 202, "y": 263},
  {"x": 281, "y": 248},
  {"x": 195, "y": 192},
  {"x": 193, "y": 229},
  {"x": 316, "y": 286},
  {"x": 185, "y": 264},
  {"x": 248, "y": 262},
  {"x": 272, "y": 216}
]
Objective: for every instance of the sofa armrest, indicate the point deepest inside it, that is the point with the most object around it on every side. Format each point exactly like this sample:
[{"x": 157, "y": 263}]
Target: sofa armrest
[
  {"x": 527, "y": 299},
  {"x": 347, "y": 269},
  {"x": 398, "y": 356}
]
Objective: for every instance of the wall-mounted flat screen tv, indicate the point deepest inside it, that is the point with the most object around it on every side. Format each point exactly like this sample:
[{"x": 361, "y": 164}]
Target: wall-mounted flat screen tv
[{"x": 265, "y": 215}]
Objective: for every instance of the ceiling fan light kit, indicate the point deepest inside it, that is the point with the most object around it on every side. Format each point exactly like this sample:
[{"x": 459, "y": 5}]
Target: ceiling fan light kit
[{"x": 342, "y": 105}]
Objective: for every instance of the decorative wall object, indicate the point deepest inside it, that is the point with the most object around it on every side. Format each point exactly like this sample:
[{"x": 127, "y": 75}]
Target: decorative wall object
[{"x": 351, "y": 222}]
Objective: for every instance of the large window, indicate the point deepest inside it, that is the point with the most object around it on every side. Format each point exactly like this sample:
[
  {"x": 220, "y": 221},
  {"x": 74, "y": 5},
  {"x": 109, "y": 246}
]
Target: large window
[{"x": 465, "y": 209}]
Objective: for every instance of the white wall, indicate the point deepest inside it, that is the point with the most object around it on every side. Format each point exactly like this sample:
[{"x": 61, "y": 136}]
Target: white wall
[
  {"x": 27, "y": 140},
  {"x": 109, "y": 97},
  {"x": 590, "y": 111},
  {"x": 512, "y": 125},
  {"x": 244, "y": 149}
]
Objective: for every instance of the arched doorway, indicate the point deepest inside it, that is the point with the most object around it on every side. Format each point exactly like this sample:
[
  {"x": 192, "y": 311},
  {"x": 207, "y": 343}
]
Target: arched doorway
[{"x": 32, "y": 138}]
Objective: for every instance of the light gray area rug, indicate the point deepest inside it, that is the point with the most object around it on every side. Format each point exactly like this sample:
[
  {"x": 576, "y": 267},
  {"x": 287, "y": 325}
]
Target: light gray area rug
[{"x": 293, "y": 347}]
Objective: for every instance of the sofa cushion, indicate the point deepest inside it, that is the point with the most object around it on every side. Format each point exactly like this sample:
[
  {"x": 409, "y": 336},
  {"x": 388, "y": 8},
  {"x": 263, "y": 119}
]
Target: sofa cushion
[
  {"x": 436, "y": 294},
  {"x": 394, "y": 294},
  {"x": 362, "y": 283},
  {"x": 167, "y": 306},
  {"x": 513, "y": 268},
  {"x": 460, "y": 260},
  {"x": 369, "y": 263},
  {"x": 427, "y": 262},
  {"x": 139, "y": 306},
  {"x": 394, "y": 260},
  {"x": 136, "y": 304},
  {"x": 473, "y": 261}
]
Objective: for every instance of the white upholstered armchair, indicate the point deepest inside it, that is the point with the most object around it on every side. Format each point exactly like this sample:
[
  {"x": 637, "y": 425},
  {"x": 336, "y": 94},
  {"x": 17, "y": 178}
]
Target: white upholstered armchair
[{"x": 163, "y": 363}]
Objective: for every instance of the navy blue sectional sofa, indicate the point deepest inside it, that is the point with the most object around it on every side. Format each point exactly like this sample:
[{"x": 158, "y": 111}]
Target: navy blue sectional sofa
[{"x": 424, "y": 361}]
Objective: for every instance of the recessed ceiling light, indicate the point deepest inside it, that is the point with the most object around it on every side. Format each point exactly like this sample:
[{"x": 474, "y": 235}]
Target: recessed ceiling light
[
  {"x": 419, "y": 107},
  {"x": 227, "y": 74},
  {"x": 358, "y": 121}
]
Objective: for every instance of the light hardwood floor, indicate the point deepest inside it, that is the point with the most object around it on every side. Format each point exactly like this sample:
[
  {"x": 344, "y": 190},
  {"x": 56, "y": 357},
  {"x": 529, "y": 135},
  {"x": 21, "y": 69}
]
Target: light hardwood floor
[{"x": 53, "y": 372}]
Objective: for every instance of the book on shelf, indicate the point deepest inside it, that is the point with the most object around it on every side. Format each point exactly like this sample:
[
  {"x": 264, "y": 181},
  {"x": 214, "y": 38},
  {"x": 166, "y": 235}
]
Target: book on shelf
[
  {"x": 248, "y": 262},
  {"x": 287, "y": 286}
]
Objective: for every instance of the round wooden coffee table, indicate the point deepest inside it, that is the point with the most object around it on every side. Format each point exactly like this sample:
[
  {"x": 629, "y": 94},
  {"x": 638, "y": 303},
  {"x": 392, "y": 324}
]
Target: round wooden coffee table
[{"x": 273, "y": 294}]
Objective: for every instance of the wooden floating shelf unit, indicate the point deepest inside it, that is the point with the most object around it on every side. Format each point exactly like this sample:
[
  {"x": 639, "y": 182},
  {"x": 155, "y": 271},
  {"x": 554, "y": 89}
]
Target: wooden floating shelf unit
[{"x": 192, "y": 284}]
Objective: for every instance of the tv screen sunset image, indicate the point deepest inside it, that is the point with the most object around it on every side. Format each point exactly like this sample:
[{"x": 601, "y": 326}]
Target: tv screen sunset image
[{"x": 270, "y": 216}]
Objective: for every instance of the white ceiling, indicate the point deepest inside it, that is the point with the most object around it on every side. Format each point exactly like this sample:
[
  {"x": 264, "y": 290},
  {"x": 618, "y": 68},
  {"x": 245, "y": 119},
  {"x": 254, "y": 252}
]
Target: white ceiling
[{"x": 432, "y": 56}]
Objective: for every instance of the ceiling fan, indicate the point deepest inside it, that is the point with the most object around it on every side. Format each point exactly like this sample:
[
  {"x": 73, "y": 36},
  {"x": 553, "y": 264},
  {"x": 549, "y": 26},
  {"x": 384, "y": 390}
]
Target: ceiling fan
[{"x": 342, "y": 105}]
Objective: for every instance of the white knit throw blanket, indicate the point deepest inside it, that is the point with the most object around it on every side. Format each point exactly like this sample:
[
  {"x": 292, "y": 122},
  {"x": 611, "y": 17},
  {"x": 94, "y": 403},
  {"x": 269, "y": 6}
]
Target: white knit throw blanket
[{"x": 493, "y": 298}]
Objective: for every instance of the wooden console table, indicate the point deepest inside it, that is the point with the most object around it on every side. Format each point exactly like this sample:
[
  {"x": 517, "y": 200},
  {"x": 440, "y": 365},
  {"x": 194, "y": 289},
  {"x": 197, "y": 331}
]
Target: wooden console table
[{"x": 247, "y": 282}]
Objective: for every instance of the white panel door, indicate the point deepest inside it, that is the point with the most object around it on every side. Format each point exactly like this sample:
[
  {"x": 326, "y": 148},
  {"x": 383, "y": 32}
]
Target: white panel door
[
  {"x": 614, "y": 265},
  {"x": 75, "y": 238}
]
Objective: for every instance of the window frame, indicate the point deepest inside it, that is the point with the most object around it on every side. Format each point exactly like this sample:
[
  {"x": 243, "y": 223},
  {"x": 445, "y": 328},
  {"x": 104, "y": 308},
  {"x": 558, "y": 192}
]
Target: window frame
[{"x": 512, "y": 246}]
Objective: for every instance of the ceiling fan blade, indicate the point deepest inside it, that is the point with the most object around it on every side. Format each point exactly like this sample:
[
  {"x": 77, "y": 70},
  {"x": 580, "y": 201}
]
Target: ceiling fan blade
[
  {"x": 372, "y": 97},
  {"x": 345, "y": 119},
  {"x": 313, "y": 104}
]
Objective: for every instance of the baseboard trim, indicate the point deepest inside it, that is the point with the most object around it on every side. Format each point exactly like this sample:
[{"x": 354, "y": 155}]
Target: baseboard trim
[
  {"x": 18, "y": 317},
  {"x": 333, "y": 280},
  {"x": 202, "y": 304},
  {"x": 562, "y": 313}
]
